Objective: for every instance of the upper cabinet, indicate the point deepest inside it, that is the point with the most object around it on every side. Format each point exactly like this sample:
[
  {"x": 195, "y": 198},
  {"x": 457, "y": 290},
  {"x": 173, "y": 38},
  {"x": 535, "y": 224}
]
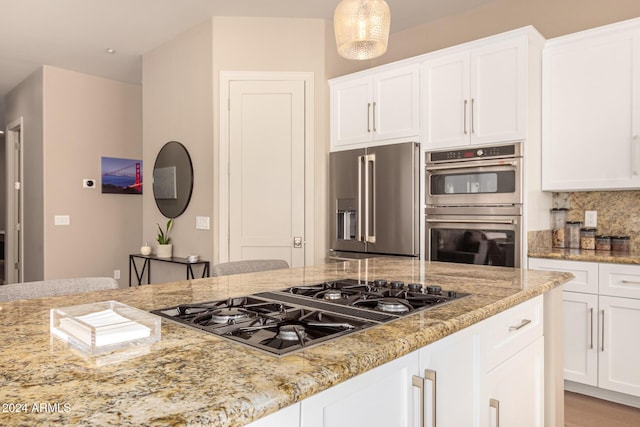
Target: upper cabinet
[
  {"x": 477, "y": 93},
  {"x": 375, "y": 106},
  {"x": 591, "y": 110}
]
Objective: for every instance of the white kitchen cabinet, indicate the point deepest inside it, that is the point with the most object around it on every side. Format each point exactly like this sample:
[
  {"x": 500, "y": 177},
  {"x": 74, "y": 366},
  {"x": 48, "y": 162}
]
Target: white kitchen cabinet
[
  {"x": 375, "y": 106},
  {"x": 286, "y": 417},
  {"x": 477, "y": 95},
  {"x": 512, "y": 366},
  {"x": 514, "y": 390},
  {"x": 619, "y": 344},
  {"x": 600, "y": 327},
  {"x": 591, "y": 109},
  {"x": 580, "y": 313},
  {"x": 381, "y": 397},
  {"x": 450, "y": 371}
]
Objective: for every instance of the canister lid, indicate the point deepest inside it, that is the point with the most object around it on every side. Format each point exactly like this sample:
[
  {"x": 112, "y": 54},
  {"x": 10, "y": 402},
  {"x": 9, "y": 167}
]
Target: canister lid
[
  {"x": 603, "y": 236},
  {"x": 559, "y": 209},
  {"x": 588, "y": 229},
  {"x": 620, "y": 237},
  {"x": 574, "y": 222}
]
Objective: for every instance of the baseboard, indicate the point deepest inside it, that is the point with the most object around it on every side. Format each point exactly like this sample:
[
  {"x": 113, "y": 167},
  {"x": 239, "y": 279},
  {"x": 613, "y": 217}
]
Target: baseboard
[{"x": 612, "y": 396}]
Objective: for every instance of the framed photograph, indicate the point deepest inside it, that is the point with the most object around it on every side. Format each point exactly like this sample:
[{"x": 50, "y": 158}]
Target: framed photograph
[{"x": 121, "y": 176}]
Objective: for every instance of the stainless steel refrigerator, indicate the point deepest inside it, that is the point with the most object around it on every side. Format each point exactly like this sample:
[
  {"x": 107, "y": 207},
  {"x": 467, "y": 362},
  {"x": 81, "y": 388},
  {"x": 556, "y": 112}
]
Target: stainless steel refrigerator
[{"x": 374, "y": 201}]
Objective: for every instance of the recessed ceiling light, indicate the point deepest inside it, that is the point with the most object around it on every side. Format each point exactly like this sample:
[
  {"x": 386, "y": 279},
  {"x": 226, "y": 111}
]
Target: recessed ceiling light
[{"x": 110, "y": 50}]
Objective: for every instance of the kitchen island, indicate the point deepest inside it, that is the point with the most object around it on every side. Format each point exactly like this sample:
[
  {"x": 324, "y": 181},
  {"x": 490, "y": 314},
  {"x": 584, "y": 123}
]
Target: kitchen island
[{"x": 193, "y": 378}]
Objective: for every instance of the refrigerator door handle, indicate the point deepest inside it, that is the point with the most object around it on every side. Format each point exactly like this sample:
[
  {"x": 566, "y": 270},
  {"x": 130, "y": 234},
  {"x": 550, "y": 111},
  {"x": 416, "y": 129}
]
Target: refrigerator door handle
[
  {"x": 359, "y": 236},
  {"x": 370, "y": 191}
]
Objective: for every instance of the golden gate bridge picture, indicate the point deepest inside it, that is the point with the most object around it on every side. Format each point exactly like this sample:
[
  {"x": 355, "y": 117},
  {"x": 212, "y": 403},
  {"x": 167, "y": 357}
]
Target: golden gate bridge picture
[{"x": 121, "y": 176}]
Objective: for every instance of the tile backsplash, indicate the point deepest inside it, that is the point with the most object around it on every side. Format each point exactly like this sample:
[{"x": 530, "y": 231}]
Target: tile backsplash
[{"x": 618, "y": 211}]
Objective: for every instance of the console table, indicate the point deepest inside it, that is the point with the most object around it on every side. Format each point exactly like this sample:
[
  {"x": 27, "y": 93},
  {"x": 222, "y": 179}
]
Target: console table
[{"x": 146, "y": 266}]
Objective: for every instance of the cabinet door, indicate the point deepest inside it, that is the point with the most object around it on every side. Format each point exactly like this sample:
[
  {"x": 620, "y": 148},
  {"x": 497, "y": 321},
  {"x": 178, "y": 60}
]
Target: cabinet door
[
  {"x": 383, "y": 396},
  {"x": 591, "y": 121},
  {"x": 450, "y": 370},
  {"x": 396, "y": 105},
  {"x": 580, "y": 337},
  {"x": 445, "y": 99},
  {"x": 287, "y": 417},
  {"x": 351, "y": 110},
  {"x": 499, "y": 92},
  {"x": 513, "y": 392},
  {"x": 619, "y": 345}
]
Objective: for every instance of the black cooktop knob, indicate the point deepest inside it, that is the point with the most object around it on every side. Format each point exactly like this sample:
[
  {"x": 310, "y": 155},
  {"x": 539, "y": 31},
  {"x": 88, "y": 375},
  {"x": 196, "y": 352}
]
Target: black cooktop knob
[
  {"x": 396, "y": 284},
  {"x": 415, "y": 287},
  {"x": 434, "y": 289},
  {"x": 380, "y": 282}
]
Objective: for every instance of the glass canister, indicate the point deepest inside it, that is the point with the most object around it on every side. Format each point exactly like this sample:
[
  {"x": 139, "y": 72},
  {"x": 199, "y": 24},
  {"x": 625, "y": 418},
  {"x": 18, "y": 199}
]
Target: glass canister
[
  {"x": 603, "y": 243},
  {"x": 620, "y": 243},
  {"x": 588, "y": 238},
  {"x": 558, "y": 219},
  {"x": 572, "y": 234}
]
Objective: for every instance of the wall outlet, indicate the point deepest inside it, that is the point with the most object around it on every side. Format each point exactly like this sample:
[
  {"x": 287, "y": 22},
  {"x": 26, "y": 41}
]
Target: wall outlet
[
  {"x": 116, "y": 274},
  {"x": 61, "y": 220},
  {"x": 590, "y": 218}
]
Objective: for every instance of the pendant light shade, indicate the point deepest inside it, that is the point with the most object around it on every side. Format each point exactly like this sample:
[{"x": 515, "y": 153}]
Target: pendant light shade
[{"x": 362, "y": 28}]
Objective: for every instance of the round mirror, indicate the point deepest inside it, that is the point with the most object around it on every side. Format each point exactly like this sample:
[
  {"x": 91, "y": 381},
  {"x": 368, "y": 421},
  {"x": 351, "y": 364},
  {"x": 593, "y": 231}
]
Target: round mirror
[{"x": 172, "y": 179}]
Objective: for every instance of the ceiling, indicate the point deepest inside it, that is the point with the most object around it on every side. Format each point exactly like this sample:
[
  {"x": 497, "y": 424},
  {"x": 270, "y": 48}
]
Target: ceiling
[{"x": 73, "y": 34}]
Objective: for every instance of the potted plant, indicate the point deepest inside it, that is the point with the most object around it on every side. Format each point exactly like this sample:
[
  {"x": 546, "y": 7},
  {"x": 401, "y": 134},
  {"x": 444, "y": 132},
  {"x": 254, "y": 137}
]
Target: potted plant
[{"x": 164, "y": 248}]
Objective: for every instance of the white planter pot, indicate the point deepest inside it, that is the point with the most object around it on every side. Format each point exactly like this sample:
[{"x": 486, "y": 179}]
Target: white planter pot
[{"x": 164, "y": 251}]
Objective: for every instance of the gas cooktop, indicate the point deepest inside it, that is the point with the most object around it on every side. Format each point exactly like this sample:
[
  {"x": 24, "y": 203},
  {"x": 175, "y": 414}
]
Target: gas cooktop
[{"x": 281, "y": 322}]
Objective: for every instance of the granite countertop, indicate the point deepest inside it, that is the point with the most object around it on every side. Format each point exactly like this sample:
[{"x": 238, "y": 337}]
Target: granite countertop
[
  {"x": 585, "y": 255},
  {"x": 193, "y": 378}
]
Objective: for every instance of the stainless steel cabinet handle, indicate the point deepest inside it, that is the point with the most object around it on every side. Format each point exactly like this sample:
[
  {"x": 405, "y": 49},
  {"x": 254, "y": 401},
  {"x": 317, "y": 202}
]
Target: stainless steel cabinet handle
[
  {"x": 635, "y": 152},
  {"x": 374, "y": 116},
  {"x": 473, "y": 128},
  {"x": 431, "y": 376},
  {"x": 369, "y": 117},
  {"x": 464, "y": 117},
  {"x": 591, "y": 329},
  {"x": 522, "y": 324},
  {"x": 630, "y": 282},
  {"x": 418, "y": 382},
  {"x": 495, "y": 403},
  {"x": 602, "y": 326}
]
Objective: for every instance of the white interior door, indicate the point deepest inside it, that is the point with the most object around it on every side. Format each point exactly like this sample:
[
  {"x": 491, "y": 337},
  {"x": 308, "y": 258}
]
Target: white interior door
[
  {"x": 14, "y": 237},
  {"x": 267, "y": 170}
]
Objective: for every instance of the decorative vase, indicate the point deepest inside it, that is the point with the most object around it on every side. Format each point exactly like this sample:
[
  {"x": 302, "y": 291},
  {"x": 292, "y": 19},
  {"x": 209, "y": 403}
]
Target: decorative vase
[
  {"x": 164, "y": 251},
  {"x": 145, "y": 249}
]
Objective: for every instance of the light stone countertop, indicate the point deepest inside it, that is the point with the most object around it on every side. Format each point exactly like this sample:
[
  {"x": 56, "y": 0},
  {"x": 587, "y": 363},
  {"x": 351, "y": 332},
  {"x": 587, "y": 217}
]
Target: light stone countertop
[
  {"x": 613, "y": 257},
  {"x": 194, "y": 378}
]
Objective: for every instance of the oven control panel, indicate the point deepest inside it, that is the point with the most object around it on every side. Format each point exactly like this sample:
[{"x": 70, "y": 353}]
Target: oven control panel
[{"x": 509, "y": 150}]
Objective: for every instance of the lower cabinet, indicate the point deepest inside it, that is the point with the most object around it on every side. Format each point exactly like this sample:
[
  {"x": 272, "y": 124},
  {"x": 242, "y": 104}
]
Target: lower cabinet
[
  {"x": 381, "y": 397},
  {"x": 600, "y": 321},
  {"x": 491, "y": 371},
  {"x": 513, "y": 391},
  {"x": 449, "y": 371}
]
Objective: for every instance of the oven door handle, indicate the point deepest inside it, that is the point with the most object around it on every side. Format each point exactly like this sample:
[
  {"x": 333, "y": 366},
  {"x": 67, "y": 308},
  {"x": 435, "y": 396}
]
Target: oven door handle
[
  {"x": 473, "y": 221},
  {"x": 471, "y": 165}
]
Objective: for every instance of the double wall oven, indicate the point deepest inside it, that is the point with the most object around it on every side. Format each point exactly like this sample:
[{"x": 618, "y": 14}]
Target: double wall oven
[{"x": 474, "y": 200}]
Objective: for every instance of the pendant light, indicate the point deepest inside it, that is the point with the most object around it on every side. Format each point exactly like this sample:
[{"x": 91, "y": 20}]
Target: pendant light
[{"x": 361, "y": 28}]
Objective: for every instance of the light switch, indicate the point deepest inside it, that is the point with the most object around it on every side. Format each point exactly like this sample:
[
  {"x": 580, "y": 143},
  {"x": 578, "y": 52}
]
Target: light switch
[
  {"x": 202, "y": 222},
  {"x": 62, "y": 220}
]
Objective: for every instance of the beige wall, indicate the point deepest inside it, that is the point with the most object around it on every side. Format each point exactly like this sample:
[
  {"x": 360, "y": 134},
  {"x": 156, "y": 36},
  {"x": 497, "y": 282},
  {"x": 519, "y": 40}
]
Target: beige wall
[
  {"x": 177, "y": 99},
  {"x": 26, "y": 101},
  {"x": 181, "y": 101},
  {"x": 85, "y": 118},
  {"x": 552, "y": 18},
  {"x": 70, "y": 121}
]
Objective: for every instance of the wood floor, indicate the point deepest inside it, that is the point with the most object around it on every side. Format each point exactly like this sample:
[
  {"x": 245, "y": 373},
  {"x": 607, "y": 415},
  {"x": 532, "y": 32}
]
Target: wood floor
[{"x": 585, "y": 411}]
